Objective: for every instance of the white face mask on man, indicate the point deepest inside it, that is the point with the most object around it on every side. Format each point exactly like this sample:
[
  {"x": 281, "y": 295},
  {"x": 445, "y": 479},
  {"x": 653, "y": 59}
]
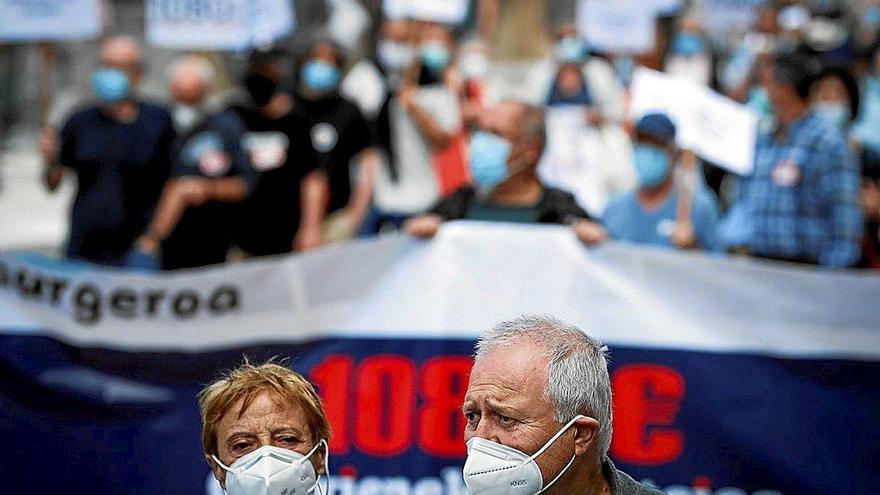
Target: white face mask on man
[
  {"x": 495, "y": 469},
  {"x": 272, "y": 470}
]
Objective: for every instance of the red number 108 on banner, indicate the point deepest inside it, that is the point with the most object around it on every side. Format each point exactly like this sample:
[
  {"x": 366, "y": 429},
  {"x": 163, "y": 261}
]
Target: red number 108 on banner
[{"x": 385, "y": 404}]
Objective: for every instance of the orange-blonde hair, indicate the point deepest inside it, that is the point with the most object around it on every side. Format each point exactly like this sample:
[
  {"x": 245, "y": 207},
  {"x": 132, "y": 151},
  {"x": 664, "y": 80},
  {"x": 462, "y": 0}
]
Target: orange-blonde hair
[{"x": 245, "y": 383}]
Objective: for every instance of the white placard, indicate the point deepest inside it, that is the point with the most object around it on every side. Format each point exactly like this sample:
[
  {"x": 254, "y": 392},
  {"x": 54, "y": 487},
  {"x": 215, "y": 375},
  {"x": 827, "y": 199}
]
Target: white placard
[
  {"x": 617, "y": 26},
  {"x": 217, "y": 24},
  {"x": 723, "y": 15},
  {"x": 713, "y": 126},
  {"x": 38, "y": 20},
  {"x": 443, "y": 11}
]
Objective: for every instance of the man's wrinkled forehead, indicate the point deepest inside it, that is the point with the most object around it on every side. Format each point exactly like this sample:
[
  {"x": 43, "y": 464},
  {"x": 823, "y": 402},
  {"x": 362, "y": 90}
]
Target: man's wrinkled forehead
[
  {"x": 121, "y": 52},
  {"x": 504, "y": 119}
]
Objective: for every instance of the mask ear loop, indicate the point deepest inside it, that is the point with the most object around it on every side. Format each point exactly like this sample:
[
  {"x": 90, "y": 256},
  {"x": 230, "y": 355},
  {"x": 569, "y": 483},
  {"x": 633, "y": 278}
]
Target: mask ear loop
[
  {"x": 326, "y": 467},
  {"x": 547, "y": 446},
  {"x": 317, "y": 485},
  {"x": 224, "y": 466}
]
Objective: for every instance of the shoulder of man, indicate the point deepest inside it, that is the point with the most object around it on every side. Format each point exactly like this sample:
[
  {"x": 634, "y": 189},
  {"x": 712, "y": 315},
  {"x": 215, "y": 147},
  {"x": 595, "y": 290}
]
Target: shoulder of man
[
  {"x": 624, "y": 484},
  {"x": 558, "y": 198}
]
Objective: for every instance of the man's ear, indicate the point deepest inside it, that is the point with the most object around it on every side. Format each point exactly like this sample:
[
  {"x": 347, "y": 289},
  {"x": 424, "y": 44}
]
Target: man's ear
[
  {"x": 585, "y": 429},
  {"x": 219, "y": 473}
]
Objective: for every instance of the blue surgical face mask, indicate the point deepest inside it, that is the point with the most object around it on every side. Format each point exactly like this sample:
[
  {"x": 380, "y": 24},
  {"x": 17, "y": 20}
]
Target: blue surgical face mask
[
  {"x": 393, "y": 55},
  {"x": 871, "y": 16},
  {"x": 435, "y": 55},
  {"x": 652, "y": 165},
  {"x": 319, "y": 76},
  {"x": 570, "y": 50},
  {"x": 687, "y": 44},
  {"x": 488, "y": 159},
  {"x": 110, "y": 85},
  {"x": 836, "y": 114}
]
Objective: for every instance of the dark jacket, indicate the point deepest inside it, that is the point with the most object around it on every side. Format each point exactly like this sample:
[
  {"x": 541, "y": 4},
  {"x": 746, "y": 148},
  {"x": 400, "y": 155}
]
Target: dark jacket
[
  {"x": 622, "y": 484},
  {"x": 556, "y": 206}
]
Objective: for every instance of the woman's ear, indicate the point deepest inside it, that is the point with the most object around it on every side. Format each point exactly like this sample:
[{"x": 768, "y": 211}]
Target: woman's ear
[{"x": 219, "y": 473}]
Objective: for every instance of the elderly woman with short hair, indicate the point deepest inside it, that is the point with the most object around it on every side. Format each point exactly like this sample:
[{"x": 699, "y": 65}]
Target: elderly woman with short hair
[{"x": 264, "y": 431}]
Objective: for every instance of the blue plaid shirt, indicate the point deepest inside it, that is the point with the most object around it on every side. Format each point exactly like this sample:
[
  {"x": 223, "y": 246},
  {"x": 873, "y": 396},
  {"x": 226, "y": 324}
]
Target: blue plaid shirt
[{"x": 805, "y": 195}]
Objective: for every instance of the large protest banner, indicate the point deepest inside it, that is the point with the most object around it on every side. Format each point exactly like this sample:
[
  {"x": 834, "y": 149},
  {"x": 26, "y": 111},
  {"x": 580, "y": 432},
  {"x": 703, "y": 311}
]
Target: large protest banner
[
  {"x": 730, "y": 377},
  {"x": 217, "y": 24},
  {"x": 42, "y": 20}
]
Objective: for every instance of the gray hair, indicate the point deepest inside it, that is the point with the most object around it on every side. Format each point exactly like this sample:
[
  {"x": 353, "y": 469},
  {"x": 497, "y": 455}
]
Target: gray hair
[{"x": 578, "y": 367}]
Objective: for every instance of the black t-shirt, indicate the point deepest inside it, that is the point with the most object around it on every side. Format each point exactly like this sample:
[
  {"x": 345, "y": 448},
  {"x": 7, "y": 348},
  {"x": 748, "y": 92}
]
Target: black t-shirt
[
  {"x": 121, "y": 169},
  {"x": 338, "y": 132},
  {"x": 280, "y": 151},
  {"x": 212, "y": 149}
]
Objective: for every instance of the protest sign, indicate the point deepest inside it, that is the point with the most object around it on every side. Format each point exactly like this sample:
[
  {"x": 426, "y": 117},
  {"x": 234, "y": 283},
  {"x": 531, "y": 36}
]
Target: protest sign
[
  {"x": 443, "y": 11},
  {"x": 617, "y": 26},
  {"x": 724, "y": 15},
  {"x": 49, "y": 20},
  {"x": 217, "y": 24},
  {"x": 713, "y": 126}
]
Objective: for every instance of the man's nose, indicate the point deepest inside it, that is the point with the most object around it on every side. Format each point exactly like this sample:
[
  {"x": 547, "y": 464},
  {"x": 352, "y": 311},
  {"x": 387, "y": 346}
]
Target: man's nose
[{"x": 486, "y": 430}]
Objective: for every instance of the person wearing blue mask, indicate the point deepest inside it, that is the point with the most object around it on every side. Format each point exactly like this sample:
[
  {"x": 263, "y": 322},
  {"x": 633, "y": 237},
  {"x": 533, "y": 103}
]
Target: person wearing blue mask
[
  {"x": 649, "y": 215},
  {"x": 424, "y": 115},
  {"x": 689, "y": 55},
  {"x": 340, "y": 137},
  {"x": 119, "y": 147},
  {"x": 504, "y": 154}
]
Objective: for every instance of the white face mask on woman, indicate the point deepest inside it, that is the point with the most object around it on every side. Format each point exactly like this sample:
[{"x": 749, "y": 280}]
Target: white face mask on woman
[
  {"x": 274, "y": 471},
  {"x": 495, "y": 469}
]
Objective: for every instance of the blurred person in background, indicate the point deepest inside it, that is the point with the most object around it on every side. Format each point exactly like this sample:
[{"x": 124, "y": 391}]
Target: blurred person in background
[
  {"x": 424, "y": 117},
  {"x": 285, "y": 211},
  {"x": 340, "y": 137},
  {"x": 264, "y": 430},
  {"x": 588, "y": 151},
  {"x": 210, "y": 173},
  {"x": 372, "y": 84},
  {"x": 120, "y": 149},
  {"x": 652, "y": 214},
  {"x": 834, "y": 96},
  {"x": 504, "y": 155},
  {"x": 690, "y": 55},
  {"x": 865, "y": 137},
  {"x": 803, "y": 197}
]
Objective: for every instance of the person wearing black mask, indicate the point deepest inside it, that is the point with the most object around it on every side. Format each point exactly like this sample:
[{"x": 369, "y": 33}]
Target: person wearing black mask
[
  {"x": 286, "y": 209},
  {"x": 340, "y": 136}
]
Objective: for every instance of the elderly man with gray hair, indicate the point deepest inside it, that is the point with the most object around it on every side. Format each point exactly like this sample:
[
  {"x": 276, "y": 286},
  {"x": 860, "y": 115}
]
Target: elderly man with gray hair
[{"x": 538, "y": 410}]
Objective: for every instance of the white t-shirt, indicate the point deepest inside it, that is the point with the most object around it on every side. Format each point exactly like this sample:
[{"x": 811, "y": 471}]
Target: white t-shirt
[{"x": 416, "y": 189}]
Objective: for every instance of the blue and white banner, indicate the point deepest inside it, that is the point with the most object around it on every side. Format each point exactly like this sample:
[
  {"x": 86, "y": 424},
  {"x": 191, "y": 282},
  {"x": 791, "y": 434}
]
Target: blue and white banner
[
  {"x": 730, "y": 376},
  {"x": 217, "y": 24},
  {"x": 49, "y": 20}
]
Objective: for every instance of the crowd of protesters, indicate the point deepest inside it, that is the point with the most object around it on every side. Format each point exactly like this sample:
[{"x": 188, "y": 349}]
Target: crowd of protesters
[{"x": 317, "y": 147}]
